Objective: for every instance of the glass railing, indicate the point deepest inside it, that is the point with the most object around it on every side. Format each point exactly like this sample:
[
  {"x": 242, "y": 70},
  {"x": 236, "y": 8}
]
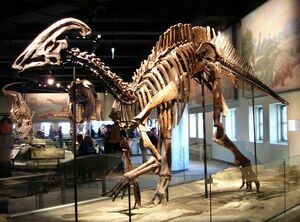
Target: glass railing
[{"x": 279, "y": 191}]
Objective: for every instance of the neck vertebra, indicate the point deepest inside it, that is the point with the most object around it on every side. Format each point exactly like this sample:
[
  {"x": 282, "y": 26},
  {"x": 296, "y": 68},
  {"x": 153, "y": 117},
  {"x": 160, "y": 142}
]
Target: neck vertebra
[{"x": 122, "y": 91}]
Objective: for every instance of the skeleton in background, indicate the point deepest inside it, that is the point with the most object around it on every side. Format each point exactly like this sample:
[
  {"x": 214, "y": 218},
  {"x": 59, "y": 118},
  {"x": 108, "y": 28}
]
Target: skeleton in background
[
  {"x": 162, "y": 84},
  {"x": 88, "y": 105},
  {"x": 20, "y": 113}
]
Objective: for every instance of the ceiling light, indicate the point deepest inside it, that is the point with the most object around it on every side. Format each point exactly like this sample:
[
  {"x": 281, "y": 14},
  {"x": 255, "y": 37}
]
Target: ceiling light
[
  {"x": 50, "y": 81},
  {"x": 68, "y": 86},
  {"x": 112, "y": 53},
  {"x": 40, "y": 84},
  {"x": 58, "y": 85},
  {"x": 106, "y": 93}
]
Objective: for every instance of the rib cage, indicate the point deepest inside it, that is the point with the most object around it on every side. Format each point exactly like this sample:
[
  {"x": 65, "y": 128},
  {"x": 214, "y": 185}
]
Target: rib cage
[{"x": 171, "y": 59}]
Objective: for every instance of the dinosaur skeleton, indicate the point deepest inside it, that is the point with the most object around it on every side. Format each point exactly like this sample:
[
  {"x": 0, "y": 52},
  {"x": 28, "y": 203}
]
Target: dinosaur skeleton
[
  {"x": 162, "y": 83},
  {"x": 87, "y": 103},
  {"x": 20, "y": 113}
]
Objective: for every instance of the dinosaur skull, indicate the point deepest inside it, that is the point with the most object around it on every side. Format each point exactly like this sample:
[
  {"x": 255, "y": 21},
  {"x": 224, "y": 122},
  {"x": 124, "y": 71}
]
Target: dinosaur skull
[{"x": 46, "y": 49}]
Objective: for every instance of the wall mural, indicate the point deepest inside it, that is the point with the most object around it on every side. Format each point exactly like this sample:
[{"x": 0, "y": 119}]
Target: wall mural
[
  {"x": 272, "y": 47},
  {"x": 48, "y": 106},
  {"x": 54, "y": 106}
]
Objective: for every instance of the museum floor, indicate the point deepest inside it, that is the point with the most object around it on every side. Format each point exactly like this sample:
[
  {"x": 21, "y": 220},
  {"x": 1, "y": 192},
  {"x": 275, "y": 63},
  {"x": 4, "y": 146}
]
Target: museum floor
[
  {"x": 57, "y": 196},
  {"x": 187, "y": 203}
]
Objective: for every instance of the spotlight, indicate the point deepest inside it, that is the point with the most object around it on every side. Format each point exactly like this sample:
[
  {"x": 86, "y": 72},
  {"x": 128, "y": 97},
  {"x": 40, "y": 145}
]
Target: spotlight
[
  {"x": 112, "y": 53},
  {"x": 106, "y": 93},
  {"x": 44, "y": 85},
  {"x": 40, "y": 85},
  {"x": 68, "y": 86},
  {"x": 50, "y": 81},
  {"x": 58, "y": 85},
  {"x": 98, "y": 36}
]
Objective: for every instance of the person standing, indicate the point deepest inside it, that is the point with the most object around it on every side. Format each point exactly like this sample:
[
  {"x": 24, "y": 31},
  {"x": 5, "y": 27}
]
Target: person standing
[
  {"x": 6, "y": 146},
  {"x": 153, "y": 136},
  {"x": 60, "y": 136},
  {"x": 52, "y": 133}
]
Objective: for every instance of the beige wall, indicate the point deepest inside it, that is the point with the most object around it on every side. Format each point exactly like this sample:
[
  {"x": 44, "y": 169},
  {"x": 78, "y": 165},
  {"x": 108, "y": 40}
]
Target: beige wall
[{"x": 265, "y": 151}]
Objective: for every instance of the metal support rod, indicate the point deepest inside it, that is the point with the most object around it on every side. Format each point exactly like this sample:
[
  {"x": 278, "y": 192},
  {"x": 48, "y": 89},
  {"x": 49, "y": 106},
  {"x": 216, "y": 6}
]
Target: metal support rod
[
  {"x": 167, "y": 194},
  {"x": 204, "y": 137},
  {"x": 74, "y": 143},
  {"x": 284, "y": 185},
  {"x": 129, "y": 203},
  {"x": 210, "y": 203},
  {"x": 254, "y": 129}
]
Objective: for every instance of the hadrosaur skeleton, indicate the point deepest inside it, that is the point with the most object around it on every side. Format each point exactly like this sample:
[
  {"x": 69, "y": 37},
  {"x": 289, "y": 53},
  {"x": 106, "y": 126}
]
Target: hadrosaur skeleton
[
  {"x": 20, "y": 113},
  {"x": 162, "y": 83}
]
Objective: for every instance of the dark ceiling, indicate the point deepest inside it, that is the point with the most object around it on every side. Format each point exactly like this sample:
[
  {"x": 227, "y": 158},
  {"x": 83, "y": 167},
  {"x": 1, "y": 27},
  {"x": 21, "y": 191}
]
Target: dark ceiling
[{"x": 131, "y": 27}]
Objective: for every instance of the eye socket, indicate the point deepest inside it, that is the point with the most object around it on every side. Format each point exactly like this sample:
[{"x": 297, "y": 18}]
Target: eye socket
[{"x": 53, "y": 59}]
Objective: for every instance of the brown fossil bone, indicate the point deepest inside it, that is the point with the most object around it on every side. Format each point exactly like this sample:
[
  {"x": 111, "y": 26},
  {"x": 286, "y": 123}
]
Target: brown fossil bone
[
  {"x": 87, "y": 102},
  {"x": 162, "y": 84},
  {"x": 46, "y": 49},
  {"x": 124, "y": 144}
]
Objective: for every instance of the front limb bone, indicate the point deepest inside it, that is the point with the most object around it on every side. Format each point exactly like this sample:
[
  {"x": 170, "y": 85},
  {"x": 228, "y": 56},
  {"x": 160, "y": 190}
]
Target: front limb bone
[
  {"x": 148, "y": 144},
  {"x": 167, "y": 94},
  {"x": 122, "y": 184}
]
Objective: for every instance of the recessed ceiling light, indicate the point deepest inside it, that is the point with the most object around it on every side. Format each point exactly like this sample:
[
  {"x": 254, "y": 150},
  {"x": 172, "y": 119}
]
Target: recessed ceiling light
[{"x": 50, "y": 81}]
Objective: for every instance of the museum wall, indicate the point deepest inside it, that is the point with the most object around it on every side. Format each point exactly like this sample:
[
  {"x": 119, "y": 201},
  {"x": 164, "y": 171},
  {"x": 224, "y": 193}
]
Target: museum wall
[{"x": 274, "y": 52}]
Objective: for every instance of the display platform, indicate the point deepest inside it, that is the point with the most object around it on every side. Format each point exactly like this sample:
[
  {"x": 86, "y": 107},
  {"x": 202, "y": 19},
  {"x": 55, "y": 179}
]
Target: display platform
[{"x": 280, "y": 190}]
